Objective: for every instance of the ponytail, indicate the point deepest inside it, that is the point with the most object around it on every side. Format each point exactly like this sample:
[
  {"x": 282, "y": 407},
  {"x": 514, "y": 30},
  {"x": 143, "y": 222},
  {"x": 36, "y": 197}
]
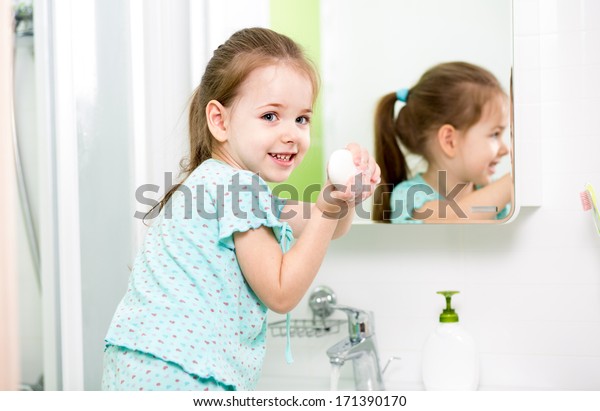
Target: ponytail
[{"x": 388, "y": 155}]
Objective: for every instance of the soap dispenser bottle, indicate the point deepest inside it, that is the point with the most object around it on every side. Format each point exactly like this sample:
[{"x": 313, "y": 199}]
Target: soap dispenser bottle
[{"x": 450, "y": 360}]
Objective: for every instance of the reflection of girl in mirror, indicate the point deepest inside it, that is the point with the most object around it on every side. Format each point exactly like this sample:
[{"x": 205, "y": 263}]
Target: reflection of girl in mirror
[{"x": 454, "y": 117}]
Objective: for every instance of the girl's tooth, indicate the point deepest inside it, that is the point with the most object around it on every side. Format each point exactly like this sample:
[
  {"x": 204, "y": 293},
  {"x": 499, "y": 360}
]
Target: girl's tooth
[{"x": 282, "y": 157}]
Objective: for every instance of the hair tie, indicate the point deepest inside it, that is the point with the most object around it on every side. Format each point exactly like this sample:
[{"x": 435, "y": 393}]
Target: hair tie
[{"x": 402, "y": 94}]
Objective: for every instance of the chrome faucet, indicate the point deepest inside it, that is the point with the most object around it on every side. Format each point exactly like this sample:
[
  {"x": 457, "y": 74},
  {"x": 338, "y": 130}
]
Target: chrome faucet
[{"x": 359, "y": 347}]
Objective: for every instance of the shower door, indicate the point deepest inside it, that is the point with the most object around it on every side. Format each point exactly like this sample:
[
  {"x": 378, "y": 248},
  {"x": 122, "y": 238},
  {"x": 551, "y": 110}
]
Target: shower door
[{"x": 113, "y": 81}]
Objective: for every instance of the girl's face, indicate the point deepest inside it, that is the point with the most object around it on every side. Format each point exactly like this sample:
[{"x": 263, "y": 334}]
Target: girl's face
[
  {"x": 482, "y": 146},
  {"x": 268, "y": 125}
]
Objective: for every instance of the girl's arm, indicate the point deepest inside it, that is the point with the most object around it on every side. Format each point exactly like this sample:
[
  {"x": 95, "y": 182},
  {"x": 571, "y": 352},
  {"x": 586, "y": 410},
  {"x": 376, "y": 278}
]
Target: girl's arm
[
  {"x": 280, "y": 280},
  {"x": 298, "y": 214},
  {"x": 497, "y": 195}
]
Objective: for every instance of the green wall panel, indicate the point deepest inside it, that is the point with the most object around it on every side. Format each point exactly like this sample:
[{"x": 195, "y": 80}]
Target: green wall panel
[{"x": 300, "y": 20}]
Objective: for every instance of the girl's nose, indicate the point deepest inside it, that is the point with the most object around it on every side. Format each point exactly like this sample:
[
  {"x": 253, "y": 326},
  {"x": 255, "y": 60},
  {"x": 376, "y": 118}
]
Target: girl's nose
[
  {"x": 290, "y": 134},
  {"x": 289, "y": 139},
  {"x": 504, "y": 149}
]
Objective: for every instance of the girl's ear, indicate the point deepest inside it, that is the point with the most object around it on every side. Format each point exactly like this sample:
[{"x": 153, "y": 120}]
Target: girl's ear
[
  {"x": 215, "y": 118},
  {"x": 447, "y": 138}
]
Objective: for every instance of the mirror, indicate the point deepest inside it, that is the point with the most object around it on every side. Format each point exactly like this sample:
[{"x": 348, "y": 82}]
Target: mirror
[{"x": 370, "y": 50}]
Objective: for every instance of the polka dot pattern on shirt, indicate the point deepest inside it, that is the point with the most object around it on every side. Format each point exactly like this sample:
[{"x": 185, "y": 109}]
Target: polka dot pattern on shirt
[{"x": 187, "y": 301}]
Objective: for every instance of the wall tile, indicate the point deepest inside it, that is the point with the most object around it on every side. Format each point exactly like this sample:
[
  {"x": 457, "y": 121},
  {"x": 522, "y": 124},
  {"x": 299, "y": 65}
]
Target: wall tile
[
  {"x": 591, "y": 81},
  {"x": 570, "y": 14},
  {"x": 529, "y": 126},
  {"x": 525, "y": 372},
  {"x": 592, "y": 47},
  {"x": 550, "y": 119},
  {"x": 549, "y": 50},
  {"x": 548, "y": 16},
  {"x": 527, "y": 85},
  {"x": 591, "y": 14},
  {"x": 549, "y": 79},
  {"x": 527, "y": 18},
  {"x": 527, "y": 52},
  {"x": 570, "y": 48},
  {"x": 541, "y": 337}
]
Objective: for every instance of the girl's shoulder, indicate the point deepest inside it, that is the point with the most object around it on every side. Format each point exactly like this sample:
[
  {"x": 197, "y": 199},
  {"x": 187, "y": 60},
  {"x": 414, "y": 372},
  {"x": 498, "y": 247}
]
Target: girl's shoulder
[
  {"x": 211, "y": 170},
  {"x": 410, "y": 195},
  {"x": 416, "y": 183}
]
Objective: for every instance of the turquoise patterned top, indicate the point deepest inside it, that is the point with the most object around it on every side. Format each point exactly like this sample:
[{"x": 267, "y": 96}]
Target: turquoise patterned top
[
  {"x": 412, "y": 194},
  {"x": 187, "y": 301}
]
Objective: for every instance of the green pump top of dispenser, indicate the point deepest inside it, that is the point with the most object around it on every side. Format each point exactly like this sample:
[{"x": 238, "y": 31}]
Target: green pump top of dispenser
[{"x": 448, "y": 315}]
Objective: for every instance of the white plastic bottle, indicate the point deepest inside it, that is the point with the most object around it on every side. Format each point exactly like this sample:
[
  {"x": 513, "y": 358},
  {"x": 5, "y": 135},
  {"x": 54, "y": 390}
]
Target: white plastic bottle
[{"x": 450, "y": 359}]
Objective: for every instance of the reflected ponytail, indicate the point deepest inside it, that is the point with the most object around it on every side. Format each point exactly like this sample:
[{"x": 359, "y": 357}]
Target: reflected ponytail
[{"x": 388, "y": 155}]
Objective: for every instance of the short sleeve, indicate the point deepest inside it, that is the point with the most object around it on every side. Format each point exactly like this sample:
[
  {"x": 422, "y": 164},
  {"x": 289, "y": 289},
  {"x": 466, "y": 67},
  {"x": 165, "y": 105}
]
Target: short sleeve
[
  {"x": 279, "y": 204},
  {"x": 505, "y": 212},
  {"x": 408, "y": 196},
  {"x": 247, "y": 203}
]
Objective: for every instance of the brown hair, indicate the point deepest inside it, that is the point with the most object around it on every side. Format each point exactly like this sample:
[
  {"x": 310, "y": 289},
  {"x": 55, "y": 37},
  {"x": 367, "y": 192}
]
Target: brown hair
[
  {"x": 231, "y": 63},
  {"x": 452, "y": 93}
]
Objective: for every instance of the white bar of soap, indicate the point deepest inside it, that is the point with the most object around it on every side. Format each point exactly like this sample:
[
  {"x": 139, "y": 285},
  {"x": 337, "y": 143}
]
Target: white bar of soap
[{"x": 340, "y": 167}]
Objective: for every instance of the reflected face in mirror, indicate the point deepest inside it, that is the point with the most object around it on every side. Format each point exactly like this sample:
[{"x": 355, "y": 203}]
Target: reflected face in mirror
[
  {"x": 399, "y": 43},
  {"x": 454, "y": 118},
  {"x": 482, "y": 147}
]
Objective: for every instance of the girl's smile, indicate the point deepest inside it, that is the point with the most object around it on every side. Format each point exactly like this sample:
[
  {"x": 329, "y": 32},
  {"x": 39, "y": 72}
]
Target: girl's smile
[
  {"x": 283, "y": 159},
  {"x": 493, "y": 167}
]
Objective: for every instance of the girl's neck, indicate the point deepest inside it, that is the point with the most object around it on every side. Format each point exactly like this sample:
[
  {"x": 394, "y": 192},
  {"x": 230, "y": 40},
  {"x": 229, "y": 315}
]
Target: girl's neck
[
  {"x": 439, "y": 178},
  {"x": 223, "y": 156}
]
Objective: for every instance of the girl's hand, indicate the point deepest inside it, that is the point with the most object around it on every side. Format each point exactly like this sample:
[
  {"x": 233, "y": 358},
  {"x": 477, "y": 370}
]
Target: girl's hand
[
  {"x": 371, "y": 173},
  {"x": 336, "y": 203}
]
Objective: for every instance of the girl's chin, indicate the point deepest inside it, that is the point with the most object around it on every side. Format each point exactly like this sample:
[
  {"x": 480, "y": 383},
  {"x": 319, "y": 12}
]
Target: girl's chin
[
  {"x": 276, "y": 177},
  {"x": 275, "y": 180},
  {"x": 485, "y": 181}
]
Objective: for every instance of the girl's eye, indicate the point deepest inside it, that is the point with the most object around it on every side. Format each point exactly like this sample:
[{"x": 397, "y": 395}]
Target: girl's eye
[
  {"x": 269, "y": 117},
  {"x": 303, "y": 120}
]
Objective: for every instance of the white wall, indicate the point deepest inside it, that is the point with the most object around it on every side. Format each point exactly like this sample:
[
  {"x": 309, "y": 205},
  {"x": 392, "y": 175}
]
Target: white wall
[{"x": 530, "y": 290}]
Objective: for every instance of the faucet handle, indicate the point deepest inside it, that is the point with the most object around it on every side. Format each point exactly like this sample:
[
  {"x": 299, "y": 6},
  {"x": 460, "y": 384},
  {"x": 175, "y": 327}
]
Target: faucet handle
[
  {"x": 321, "y": 301},
  {"x": 360, "y": 322}
]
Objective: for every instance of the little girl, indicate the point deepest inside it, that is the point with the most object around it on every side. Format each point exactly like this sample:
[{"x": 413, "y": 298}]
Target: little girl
[
  {"x": 454, "y": 117},
  {"x": 216, "y": 257}
]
